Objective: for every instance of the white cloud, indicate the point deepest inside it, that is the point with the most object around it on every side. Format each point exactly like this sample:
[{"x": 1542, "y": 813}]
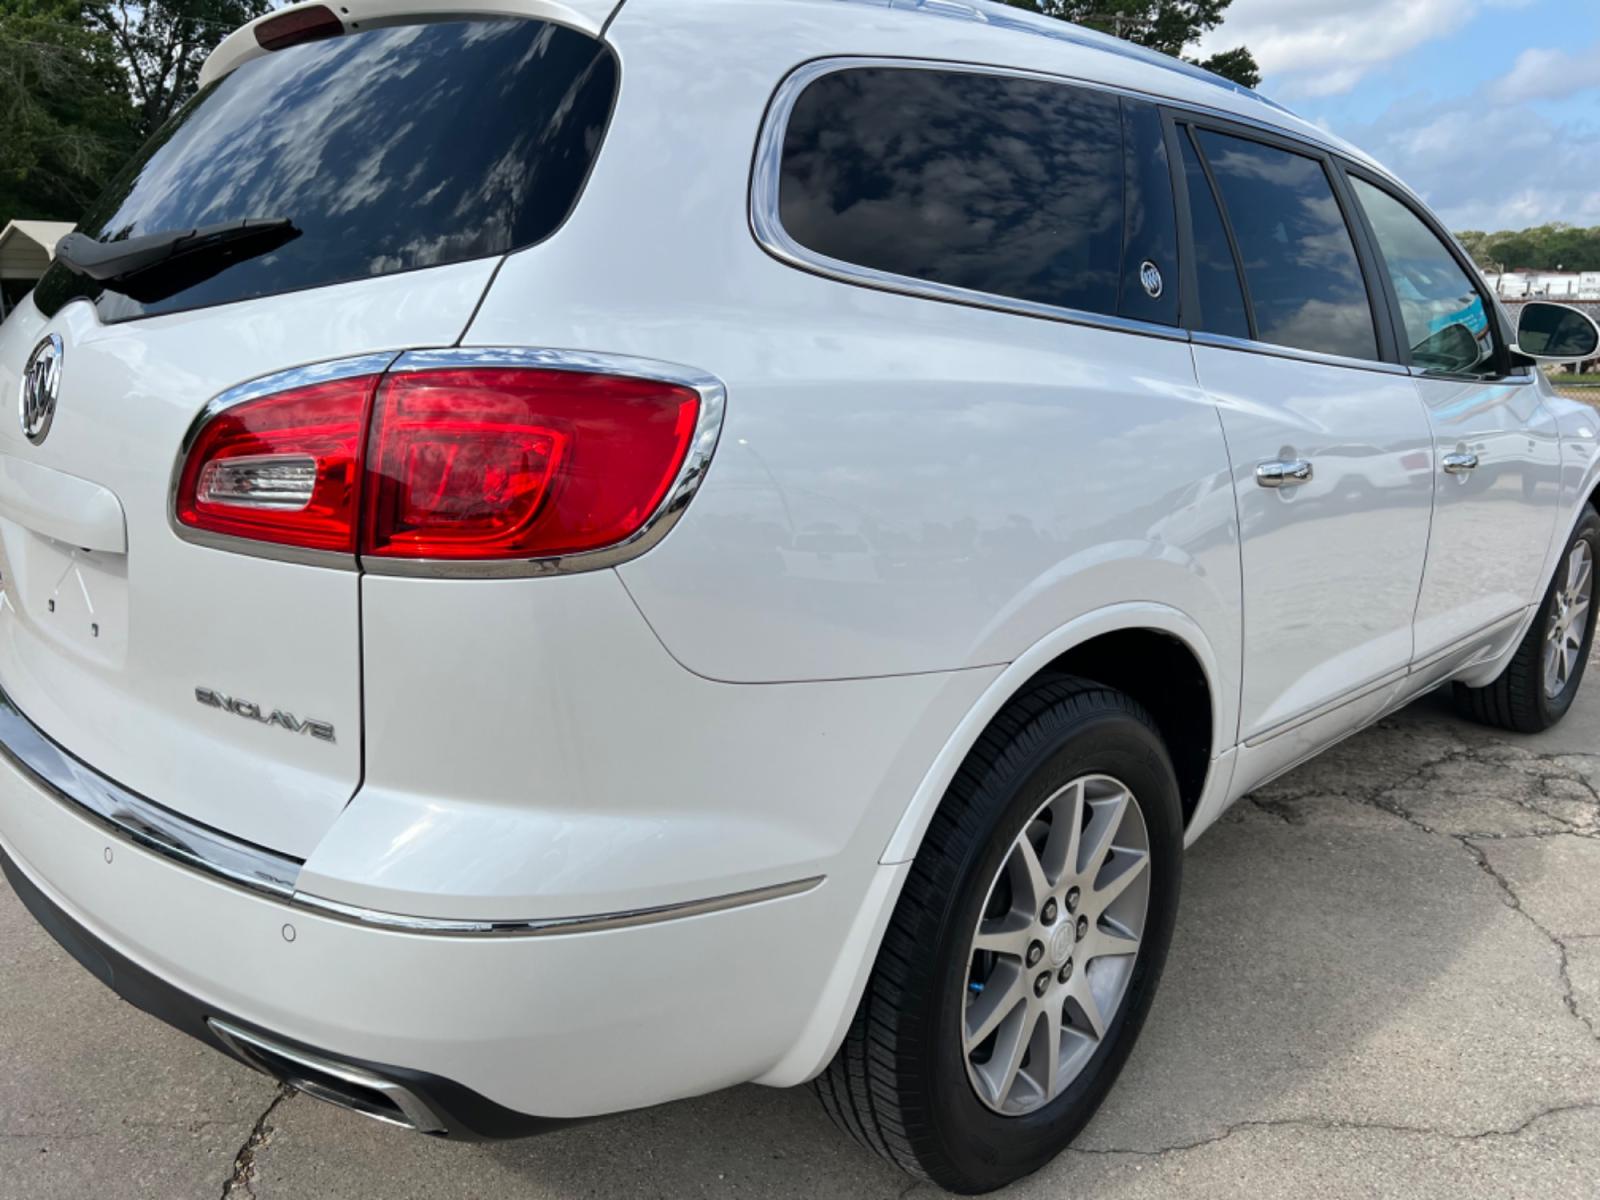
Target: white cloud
[
  {"x": 1548, "y": 75},
  {"x": 1326, "y": 46},
  {"x": 1488, "y": 166}
]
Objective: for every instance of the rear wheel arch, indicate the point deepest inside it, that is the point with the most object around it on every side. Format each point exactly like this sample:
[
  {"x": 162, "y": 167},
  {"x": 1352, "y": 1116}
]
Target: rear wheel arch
[{"x": 1152, "y": 653}]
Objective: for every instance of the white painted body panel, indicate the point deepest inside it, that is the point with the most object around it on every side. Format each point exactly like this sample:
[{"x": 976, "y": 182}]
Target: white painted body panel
[
  {"x": 914, "y": 508},
  {"x": 1492, "y": 528},
  {"x": 1332, "y": 567},
  {"x": 110, "y": 670}
]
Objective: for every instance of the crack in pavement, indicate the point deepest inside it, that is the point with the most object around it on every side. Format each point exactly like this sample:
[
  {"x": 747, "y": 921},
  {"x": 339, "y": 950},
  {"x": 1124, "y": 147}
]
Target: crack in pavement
[
  {"x": 1333, "y": 1126},
  {"x": 1535, "y": 766},
  {"x": 242, "y": 1181}
]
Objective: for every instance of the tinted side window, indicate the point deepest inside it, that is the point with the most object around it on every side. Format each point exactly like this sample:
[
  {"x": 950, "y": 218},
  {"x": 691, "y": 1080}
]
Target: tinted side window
[
  {"x": 1300, "y": 264},
  {"x": 389, "y": 149},
  {"x": 1008, "y": 186},
  {"x": 1217, "y": 274},
  {"x": 1446, "y": 323},
  {"x": 1150, "y": 226}
]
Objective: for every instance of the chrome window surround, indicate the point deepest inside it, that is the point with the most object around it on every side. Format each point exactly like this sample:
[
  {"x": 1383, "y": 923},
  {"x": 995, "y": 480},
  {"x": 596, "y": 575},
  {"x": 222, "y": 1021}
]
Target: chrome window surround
[
  {"x": 133, "y": 819},
  {"x": 767, "y": 225},
  {"x": 708, "y": 429},
  {"x": 1224, "y": 342}
]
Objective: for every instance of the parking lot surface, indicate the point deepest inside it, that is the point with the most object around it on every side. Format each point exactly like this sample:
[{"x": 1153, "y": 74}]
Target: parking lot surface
[{"x": 1385, "y": 982}]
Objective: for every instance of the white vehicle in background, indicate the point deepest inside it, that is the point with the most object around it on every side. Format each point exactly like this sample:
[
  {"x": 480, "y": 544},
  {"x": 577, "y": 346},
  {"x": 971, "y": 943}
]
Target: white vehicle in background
[{"x": 562, "y": 556}]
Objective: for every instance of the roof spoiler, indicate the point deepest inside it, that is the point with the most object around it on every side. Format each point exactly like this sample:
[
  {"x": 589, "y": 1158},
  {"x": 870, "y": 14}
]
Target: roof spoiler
[{"x": 297, "y": 23}]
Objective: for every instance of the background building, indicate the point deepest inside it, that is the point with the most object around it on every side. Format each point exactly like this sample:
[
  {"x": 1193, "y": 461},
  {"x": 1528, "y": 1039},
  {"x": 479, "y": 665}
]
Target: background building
[{"x": 26, "y": 248}]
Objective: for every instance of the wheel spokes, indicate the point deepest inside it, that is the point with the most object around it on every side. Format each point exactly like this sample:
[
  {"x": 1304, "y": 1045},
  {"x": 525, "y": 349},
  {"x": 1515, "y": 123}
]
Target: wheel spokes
[
  {"x": 1072, "y": 890},
  {"x": 994, "y": 1004},
  {"x": 1129, "y": 866},
  {"x": 1102, "y": 831},
  {"x": 1085, "y": 1009}
]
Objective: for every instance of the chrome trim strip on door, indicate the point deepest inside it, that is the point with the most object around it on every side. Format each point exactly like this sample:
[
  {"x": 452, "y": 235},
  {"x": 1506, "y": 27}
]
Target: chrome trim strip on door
[
  {"x": 766, "y": 222},
  {"x": 708, "y": 429},
  {"x": 1223, "y": 342},
  {"x": 132, "y": 818},
  {"x": 256, "y": 389},
  {"x": 1290, "y": 724}
]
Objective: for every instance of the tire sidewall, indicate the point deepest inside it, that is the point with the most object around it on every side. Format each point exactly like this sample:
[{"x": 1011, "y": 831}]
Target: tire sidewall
[{"x": 981, "y": 1148}]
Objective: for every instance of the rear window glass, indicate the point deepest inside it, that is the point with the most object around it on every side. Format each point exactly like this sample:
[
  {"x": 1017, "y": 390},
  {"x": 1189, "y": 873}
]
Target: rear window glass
[
  {"x": 390, "y": 150},
  {"x": 1300, "y": 267},
  {"x": 991, "y": 183}
]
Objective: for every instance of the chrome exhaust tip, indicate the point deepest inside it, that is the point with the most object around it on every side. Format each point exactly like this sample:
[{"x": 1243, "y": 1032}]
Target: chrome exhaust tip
[{"x": 353, "y": 1088}]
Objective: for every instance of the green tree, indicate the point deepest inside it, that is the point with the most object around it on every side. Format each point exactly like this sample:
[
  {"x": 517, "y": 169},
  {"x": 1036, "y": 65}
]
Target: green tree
[
  {"x": 164, "y": 43},
  {"x": 1542, "y": 248},
  {"x": 66, "y": 122},
  {"x": 1170, "y": 26}
]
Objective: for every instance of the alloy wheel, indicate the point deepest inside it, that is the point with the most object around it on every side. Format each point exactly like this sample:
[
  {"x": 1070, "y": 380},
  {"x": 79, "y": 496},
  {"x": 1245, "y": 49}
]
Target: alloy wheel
[
  {"x": 1569, "y": 620},
  {"x": 1056, "y": 945}
]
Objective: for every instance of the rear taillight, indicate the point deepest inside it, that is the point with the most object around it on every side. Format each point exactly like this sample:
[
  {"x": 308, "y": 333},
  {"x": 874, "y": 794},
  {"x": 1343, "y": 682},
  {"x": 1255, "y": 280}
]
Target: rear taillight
[
  {"x": 283, "y": 469},
  {"x": 519, "y": 464},
  {"x": 462, "y": 464}
]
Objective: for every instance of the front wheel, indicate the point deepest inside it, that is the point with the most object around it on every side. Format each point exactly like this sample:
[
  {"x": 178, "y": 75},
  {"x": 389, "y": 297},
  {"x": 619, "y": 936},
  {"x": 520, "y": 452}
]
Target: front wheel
[
  {"x": 1540, "y": 683},
  {"x": 1025, "y": 950}
]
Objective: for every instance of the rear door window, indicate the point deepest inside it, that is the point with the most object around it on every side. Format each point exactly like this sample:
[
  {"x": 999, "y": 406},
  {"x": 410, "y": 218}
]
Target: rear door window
[
  {"x": 1305, "y": 285},
  {"x": 1008, "y": 186},
  {"x": 390, "y": 150}
]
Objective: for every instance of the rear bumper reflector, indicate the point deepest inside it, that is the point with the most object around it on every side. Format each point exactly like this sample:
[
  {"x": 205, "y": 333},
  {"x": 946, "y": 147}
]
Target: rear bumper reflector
[{"x": 144, "y": 823}]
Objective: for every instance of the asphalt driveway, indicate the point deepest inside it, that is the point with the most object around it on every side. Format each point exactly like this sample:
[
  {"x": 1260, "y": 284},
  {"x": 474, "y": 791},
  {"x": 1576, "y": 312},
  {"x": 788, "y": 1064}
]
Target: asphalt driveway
[{"x": 1386, "y": 982}]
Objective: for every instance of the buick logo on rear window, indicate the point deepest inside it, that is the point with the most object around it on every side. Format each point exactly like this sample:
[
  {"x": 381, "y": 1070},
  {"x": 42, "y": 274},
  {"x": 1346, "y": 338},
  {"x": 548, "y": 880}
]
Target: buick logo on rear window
[{"x": 41, "y": 386}]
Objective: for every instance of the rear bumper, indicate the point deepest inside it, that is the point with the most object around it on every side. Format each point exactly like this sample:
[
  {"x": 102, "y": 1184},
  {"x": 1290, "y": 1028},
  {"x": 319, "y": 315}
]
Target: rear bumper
[
  {"x": 497, "y": 1034},
  {"x": 433, "y": 1104}
]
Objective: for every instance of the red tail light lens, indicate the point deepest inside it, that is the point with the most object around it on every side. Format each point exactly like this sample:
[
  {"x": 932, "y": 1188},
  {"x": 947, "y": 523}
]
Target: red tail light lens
[
  {"x": 283, "y": 469},
  {"x": 457, "y": 464},
  {"x": 514, "y": 463}
]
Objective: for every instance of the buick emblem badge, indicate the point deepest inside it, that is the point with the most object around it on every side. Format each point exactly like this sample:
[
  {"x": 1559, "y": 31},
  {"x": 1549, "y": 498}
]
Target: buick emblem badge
[
  {"x": 1150, "y": 276},
  {"x": 41, "y": 387}
]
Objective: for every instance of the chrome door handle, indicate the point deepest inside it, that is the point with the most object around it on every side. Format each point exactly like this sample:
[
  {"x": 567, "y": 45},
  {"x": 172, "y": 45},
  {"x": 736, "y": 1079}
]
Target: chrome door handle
[
  {"x": 1459, "y": 464},
  {"x": 1287, "y": 473}
]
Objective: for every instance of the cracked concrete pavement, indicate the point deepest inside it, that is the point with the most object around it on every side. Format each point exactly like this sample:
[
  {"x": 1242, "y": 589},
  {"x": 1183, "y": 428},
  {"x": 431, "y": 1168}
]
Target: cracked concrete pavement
[{"x": 1385, "y": 982}]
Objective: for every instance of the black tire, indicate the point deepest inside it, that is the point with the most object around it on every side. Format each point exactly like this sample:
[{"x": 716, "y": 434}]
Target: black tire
[
  {"x": 1517, "y": 699},
  {"x": 899, "y": 1083}
]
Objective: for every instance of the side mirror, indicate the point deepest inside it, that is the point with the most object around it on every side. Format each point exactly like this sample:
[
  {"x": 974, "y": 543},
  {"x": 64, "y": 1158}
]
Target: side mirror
[{"x": 1556, "y": 333}]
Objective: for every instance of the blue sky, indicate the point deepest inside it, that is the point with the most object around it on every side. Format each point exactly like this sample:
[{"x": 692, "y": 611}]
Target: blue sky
[{"x": 1489, "y": 108}]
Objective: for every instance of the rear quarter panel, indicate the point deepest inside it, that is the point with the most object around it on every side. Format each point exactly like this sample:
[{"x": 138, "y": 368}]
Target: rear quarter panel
[{"x": 902, "y": 485}]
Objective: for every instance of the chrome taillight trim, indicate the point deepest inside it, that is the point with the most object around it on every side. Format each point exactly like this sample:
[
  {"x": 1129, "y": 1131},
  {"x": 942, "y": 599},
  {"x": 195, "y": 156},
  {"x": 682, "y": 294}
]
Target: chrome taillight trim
[
  {"x": 707, "y": 432},
  {"x": 134, "y": 819},
  {"x": 258, "y": 389}
]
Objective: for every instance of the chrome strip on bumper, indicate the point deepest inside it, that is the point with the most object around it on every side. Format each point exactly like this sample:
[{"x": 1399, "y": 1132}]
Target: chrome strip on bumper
[{"x": 133, "y": 818}]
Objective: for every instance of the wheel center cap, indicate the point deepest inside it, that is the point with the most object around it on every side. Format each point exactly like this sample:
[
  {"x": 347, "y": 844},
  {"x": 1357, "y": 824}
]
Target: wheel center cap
[{"x": 1061, "y": 943}]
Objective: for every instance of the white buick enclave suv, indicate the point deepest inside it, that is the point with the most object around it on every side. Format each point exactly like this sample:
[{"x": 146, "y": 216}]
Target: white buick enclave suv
[{"x": 560, "y": 556}]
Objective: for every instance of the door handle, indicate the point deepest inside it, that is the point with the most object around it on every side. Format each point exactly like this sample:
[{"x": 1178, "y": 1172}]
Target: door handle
[
  {"x": 1285, "y": 473},
  {"x": 1459, "y": 464}
]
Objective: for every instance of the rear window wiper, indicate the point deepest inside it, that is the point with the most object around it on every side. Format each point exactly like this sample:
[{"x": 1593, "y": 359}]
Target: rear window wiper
[{"x": 156, "y": 265}]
